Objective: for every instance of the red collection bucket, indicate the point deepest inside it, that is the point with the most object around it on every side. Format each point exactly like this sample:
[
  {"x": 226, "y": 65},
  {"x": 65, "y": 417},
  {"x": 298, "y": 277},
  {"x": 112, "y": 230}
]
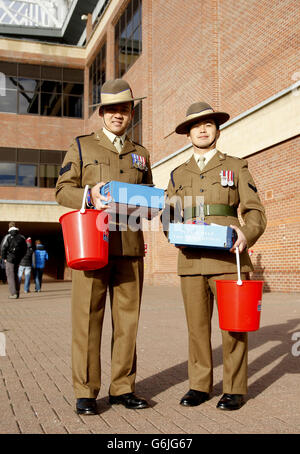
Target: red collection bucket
[
  {"x": 239, "y": 306},
  {"x": 85, "y": 234}
]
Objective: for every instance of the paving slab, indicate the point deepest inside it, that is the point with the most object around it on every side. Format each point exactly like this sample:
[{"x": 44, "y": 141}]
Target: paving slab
[{"x": 36, "y": 395}]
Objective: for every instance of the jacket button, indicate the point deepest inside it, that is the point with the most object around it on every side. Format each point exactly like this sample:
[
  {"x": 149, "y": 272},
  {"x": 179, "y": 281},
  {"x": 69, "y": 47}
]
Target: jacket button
[
  {"x": 120, "y": 156},
  {"x": 121, "y": 171},
  {"x": 95, "y": 162},
  {"x": 201, "y": 176},
  {"x": 201, "y": 190}
]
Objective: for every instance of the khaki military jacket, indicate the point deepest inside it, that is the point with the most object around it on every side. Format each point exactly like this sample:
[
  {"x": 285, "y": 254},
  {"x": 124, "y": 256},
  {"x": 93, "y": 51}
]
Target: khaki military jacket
[
  {"x": 188, "y": 180},
  {"x": 101, "y": 162}
]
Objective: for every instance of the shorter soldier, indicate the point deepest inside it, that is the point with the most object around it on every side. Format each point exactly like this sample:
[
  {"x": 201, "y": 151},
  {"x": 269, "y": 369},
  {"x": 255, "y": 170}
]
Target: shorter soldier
[{"x": 225, "y": 184}]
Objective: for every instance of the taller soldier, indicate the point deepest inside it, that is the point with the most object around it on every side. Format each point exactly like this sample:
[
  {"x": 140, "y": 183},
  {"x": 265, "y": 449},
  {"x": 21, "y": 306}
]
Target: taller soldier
[
  {"x": 224, "y": 183},
  {"x": 107, "y": 154}
]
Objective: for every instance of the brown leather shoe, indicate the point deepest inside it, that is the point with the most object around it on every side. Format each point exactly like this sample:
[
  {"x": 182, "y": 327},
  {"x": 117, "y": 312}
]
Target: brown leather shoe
[{"x": 193, "y": 398}]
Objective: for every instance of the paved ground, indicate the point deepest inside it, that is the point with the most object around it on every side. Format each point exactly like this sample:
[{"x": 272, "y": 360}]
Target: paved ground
[{"x": 36, "y": 395}]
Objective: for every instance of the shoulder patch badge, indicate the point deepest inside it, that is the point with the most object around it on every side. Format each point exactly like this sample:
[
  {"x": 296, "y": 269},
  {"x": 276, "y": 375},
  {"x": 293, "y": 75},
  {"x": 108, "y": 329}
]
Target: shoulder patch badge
[
  {"x": 252, "y": 187},
  {"x": 65, "y": 168}
]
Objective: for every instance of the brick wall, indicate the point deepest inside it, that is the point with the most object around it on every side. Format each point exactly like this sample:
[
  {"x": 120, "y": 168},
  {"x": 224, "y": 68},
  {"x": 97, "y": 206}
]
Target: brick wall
[
  {"x": 259, "y": 50},
  {"x": 277, "y": 253},
  {"x": 184, "y": 66}
]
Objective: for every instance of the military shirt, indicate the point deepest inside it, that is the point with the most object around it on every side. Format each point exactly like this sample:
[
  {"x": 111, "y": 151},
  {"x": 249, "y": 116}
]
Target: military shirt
[
  {"x": 188, "y": 181},
  {"x": 101, "y": 162}
]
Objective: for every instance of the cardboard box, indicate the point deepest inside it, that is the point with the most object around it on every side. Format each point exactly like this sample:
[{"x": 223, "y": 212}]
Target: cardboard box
[
  {"x": 133, "y": 199},
  {"x": 212, "y": 236}
]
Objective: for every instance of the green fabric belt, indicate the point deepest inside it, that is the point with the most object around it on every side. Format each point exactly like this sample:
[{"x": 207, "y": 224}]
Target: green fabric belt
[{"x": 210, "y": 210}]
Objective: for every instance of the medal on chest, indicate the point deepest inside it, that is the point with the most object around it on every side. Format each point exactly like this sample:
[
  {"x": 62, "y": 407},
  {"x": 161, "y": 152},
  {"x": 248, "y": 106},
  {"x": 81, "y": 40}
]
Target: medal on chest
[
  {"x": 227, "y": 178},
  {"x": 138, "y": 161}
]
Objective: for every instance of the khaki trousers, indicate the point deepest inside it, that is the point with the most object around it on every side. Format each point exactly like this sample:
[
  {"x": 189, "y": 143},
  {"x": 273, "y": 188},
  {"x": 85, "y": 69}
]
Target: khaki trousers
[
  {"x": 123, "y": 276},
  {"x": 198, "y": 294}
]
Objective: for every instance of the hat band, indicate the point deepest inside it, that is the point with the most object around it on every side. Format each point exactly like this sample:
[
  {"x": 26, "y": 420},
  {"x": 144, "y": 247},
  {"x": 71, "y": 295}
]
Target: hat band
[
  {"x": 199, "y": 114},
  {"x": 123, "y": 96}
]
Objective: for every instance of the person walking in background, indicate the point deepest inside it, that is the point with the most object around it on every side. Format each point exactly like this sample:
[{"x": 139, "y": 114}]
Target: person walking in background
[
  {"x": 13, "y": 248},
  {"x": 40, "y": 256},
  {"x": 25, "y": 266}
]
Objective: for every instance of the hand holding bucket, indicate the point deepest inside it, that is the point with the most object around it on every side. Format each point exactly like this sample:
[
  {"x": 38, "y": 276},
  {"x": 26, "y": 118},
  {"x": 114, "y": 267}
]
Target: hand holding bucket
[{"x": 86, "y": 233}]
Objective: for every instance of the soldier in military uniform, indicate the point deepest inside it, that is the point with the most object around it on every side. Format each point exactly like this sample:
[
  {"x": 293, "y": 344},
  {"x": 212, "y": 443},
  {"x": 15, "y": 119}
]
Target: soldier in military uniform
[
  {"x": 107, "y": 154},
  {"x": 225, "y": 183}
]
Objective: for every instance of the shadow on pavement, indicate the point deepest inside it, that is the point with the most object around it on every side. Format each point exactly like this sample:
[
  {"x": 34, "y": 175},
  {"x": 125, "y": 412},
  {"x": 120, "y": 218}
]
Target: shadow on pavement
[{"x": 289, "y": 364}]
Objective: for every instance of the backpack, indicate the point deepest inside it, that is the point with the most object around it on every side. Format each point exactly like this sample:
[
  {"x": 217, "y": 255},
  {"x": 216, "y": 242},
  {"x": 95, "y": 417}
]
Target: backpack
[{"x": 17, "y": 247}]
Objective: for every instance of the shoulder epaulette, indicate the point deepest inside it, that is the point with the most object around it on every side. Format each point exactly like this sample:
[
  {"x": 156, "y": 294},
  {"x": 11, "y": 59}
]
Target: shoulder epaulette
[
  {"x": 84, "y": 135},
  {"x": 138, "y": 144}
]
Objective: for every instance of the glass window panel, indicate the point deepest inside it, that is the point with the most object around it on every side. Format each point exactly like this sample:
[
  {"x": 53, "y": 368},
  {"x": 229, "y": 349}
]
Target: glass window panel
[
  {"x": 8, "y": 103},
  {"x": 73, "y": 75},
  {"x": 128, "y": 38},
  {"x": 48, "y": 175},
  {"x": 8, "y": 154},
  {"x": 72, "y": 106},
  {"x": 28, "y": 103},
  {"x": 51, "y": 104},
  {"x": 73, "y": 89},
  {"x": 51, "y": 73},
  {"x": 32, "y": 71},
  {"x": 28, "y": 84},
  {"x": 49, "y": 86},
  {"x": 27, "y": 175},
  {"x": 7, "y": 174},
  {"x": 10, "y": 69},
  {"x": 135, "y": 130},
  {"x": 122, "y": 27},
  {"x": 136, "y": 13},
  {"x": 51, "y": 156},
  {"x": 27, "y": 155},
  {"x": 129, "y": 27},
  {"x": 8, "y": 82},
  {"x": 97, "y": 76},
  {"x": 136, "y": 133}
]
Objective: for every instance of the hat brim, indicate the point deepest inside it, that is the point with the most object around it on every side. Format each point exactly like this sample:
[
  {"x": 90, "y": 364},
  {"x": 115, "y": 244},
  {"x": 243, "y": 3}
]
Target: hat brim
[
  {"x": 116, "y": 102},
  {"x": 185, "y": 126}
]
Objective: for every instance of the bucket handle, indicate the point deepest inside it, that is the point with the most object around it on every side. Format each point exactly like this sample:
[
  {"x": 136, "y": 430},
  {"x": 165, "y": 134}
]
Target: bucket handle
[
  {"x": 82, "y": 209},
  {"x": 239, "y": 281}
]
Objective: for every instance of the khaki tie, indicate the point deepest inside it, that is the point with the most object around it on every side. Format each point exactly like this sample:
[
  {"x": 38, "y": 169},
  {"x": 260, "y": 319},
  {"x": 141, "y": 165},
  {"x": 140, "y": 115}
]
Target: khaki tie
[
  {"x": 118, "y": 144},
  {"x": 201, "y": 162}
]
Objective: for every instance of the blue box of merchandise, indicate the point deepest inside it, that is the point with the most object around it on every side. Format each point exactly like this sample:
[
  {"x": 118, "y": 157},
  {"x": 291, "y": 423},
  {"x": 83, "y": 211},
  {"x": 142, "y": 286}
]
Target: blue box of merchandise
[
  {"x": 202, "y": 235},
  {"x": 127, "y": 198}
]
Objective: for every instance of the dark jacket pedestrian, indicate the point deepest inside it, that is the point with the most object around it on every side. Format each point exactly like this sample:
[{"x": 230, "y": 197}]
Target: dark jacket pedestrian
[{"x": 13, "y": 249}]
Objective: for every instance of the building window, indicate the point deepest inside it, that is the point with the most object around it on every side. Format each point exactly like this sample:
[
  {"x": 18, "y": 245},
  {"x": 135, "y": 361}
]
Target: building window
[
  {"x": 31, "y": 168},
  {"x": 128, "y": 37},
  {"x": 48, "y": 175},
  {"x": 135, "y": 130},
  {"x": 97, "y": 75},
  {"x": 27, "y": 175},
  {"x": 41, "y": 90},
  {"x": 7, "y": 174}
]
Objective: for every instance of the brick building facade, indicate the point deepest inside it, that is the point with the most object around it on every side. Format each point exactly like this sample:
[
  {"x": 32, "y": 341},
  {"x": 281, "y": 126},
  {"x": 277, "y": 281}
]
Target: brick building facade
[{"x": 241, "y": 57}]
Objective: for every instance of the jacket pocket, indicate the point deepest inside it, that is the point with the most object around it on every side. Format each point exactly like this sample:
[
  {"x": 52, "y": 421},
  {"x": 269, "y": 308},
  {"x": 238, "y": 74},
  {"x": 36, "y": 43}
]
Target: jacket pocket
[
  {"x": 95, "y": 172},
  {"x": 219, "y": 193}
]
